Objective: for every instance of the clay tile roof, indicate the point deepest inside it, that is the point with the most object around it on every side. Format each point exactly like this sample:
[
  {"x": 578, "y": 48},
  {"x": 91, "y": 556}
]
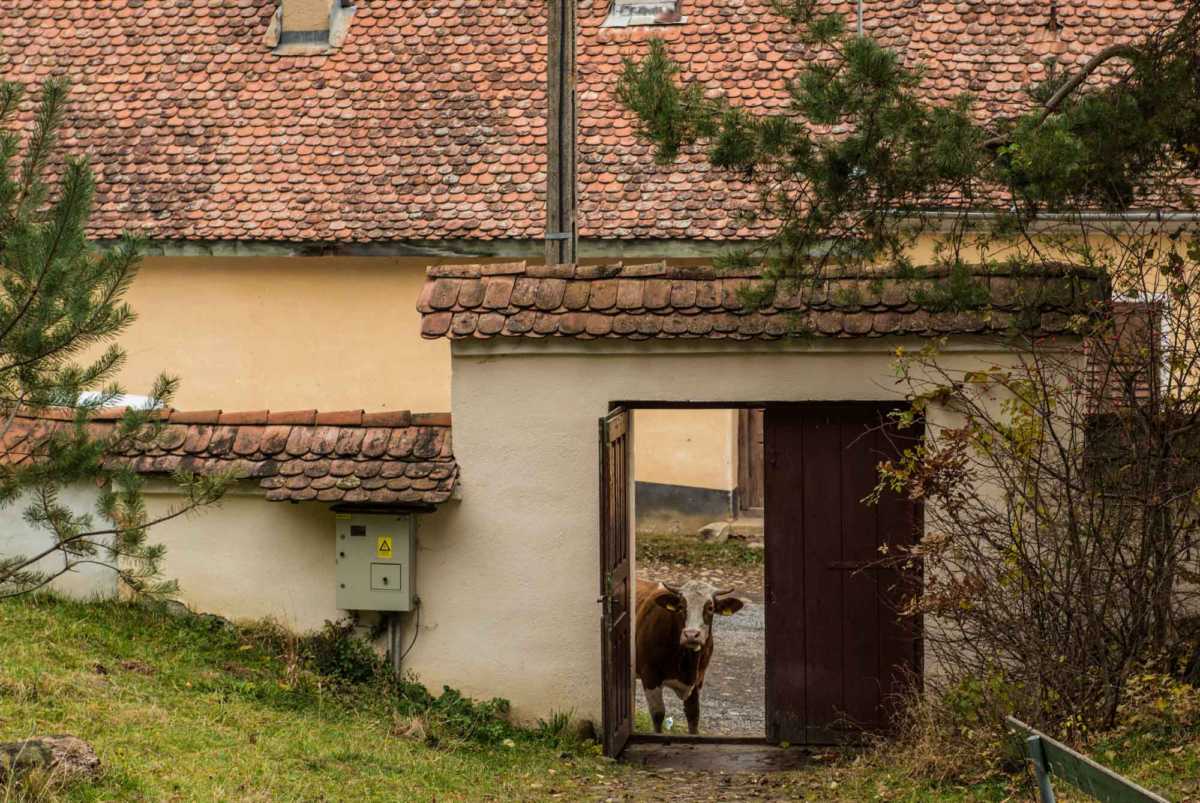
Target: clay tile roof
[
  {"x": 428, "y": 122},
  {"x": 385, "y": 458},
  {"x": 655, "y": 301}
]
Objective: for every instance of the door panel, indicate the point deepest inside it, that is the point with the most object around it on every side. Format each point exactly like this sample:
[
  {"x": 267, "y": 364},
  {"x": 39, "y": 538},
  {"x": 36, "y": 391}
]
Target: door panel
[
  {"x": 861, "y": 689},
  {"x": 821, "y": 627},
  {"x": 615, "y": 583},
  {"x": 784, "y": 581},
  {"x": 836, "y": 650}
]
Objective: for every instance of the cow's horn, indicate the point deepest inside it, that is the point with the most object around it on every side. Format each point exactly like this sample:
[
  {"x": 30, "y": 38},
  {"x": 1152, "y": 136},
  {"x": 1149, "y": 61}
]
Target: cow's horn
[
  {"x": 671, "y": 588},
  {"x": 723, "y": 593}
]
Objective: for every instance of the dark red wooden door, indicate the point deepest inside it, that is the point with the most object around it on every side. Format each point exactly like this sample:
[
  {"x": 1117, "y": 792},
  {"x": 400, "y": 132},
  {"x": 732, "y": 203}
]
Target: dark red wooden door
[
  {"x": 836, "y": 650},
  {"x": 615, "y": 581}
]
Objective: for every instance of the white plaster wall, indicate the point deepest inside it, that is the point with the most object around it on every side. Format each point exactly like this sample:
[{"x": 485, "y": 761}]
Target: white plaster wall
[
  {"x": 19, "y": 538},
  {"x": 509, "y": 577},
  {"x": 248, "y": 558}
]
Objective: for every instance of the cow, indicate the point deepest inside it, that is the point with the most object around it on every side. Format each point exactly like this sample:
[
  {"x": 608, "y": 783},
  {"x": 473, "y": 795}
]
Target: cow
[{"x": 675, "y": 643}]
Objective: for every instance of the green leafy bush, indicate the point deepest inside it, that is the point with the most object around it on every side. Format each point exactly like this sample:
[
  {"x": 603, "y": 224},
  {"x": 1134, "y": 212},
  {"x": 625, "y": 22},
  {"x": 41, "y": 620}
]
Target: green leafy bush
[{"x": 336, "y": 652}]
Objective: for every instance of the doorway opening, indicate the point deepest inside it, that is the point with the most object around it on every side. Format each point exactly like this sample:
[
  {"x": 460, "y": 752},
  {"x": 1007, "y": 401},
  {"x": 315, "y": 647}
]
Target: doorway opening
[
  {"x": 699, "y": 553},
  {"x": 810, "y": 649}
]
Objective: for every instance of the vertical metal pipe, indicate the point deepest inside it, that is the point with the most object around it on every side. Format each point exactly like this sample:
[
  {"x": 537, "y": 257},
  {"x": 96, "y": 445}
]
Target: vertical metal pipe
[
  {"x": 561, "y": 230},
  {"x": 860, "y": 17},
  {"x": 394, "y": 642}
]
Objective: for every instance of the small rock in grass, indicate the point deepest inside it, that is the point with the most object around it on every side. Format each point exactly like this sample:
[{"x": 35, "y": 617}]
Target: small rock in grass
[
  {"x": 67, "y": 758},
  {"x": 715, "y": 533}
]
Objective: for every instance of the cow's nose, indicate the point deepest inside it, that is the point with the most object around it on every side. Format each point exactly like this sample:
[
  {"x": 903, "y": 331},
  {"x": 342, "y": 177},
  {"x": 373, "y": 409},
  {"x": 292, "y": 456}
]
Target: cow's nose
[{"x": 691, "y": 635}]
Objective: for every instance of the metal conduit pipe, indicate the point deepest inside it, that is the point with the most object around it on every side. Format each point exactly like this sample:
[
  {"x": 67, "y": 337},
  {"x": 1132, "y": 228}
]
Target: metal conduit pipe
[{"x": 394, "y": 630}]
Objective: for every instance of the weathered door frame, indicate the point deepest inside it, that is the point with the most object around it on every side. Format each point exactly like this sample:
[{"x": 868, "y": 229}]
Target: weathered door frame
[
  {"x": 615, "y": 734},
  {"x": 751, "y": 461}
]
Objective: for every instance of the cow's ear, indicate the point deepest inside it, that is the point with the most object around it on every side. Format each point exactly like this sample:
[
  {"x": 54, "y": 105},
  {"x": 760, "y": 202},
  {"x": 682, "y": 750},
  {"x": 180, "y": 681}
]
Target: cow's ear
[
  {"x": 669, "y": 601},
  {"x": 728, "y": 606}
]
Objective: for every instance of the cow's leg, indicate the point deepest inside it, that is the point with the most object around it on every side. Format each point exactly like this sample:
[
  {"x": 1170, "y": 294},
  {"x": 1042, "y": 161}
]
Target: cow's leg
[
  {"x": 658, "y": 711},
  {"x": 691, "y": 707}
]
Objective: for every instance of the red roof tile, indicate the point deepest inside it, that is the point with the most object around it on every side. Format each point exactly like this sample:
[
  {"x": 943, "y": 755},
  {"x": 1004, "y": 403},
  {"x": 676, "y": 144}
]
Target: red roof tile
[
  {"x": 428, "y": 123},
  {"x": 292, "y": 461},
  {"x": 633, "y": 302}
]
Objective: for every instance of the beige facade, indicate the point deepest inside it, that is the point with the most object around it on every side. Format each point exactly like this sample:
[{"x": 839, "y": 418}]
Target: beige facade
[
  {"x": 521, "y": 546},
  {"x": 247, "y": 333},
  {"x": 332, "y": 333},
  {"x": 508, "y": 576},
  {"x": 695, "y": 448},
  {"x": 686, "y": 464}
]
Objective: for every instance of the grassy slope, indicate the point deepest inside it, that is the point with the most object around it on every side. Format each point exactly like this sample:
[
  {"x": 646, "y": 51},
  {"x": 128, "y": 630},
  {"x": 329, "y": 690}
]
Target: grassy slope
[
  {"x": 178, "y": 711},
  {"x": 204, "y": 717},
  {"x": 687, "y": 550}
]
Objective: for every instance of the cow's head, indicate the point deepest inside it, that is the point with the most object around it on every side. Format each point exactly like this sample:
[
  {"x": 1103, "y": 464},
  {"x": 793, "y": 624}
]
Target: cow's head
[{"x": 697, "y": 601}]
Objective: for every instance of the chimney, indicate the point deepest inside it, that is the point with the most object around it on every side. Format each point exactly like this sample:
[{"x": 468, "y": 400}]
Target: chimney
[{"x": 308, "y": 27}]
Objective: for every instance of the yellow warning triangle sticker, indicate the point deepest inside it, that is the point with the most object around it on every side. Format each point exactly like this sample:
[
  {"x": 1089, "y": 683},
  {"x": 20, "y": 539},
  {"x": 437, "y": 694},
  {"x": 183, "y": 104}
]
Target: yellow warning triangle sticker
[{"x": 383, "y": 546}]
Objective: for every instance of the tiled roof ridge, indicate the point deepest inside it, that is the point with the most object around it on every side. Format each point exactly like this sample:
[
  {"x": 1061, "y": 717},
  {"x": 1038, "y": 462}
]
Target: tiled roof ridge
[
  {"x": 348, "y": 456},
  {"x": 657, "y": 301}
]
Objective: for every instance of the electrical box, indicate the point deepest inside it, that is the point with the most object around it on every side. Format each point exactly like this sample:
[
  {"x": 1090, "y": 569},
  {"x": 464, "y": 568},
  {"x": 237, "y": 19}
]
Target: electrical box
[{"x": 375, "y": 562}]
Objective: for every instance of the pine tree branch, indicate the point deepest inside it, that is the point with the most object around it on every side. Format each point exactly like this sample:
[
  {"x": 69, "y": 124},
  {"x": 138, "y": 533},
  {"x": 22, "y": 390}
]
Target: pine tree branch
[
  {"x": 1118, "y": 51},
  {"x": 1122, "y": 51},
  {"x": 76, "y": 192},
  {"x": 58, "y": 547}
]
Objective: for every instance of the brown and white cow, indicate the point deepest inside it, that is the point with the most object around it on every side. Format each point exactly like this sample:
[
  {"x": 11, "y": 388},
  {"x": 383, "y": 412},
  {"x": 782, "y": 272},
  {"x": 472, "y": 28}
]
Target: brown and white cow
[{"x": 675, "y": 642}]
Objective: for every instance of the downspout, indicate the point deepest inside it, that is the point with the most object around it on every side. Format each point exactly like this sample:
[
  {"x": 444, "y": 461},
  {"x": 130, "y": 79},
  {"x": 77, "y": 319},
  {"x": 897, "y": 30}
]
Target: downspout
[
  {"x": 561, "y": 235},
  {"x": 394, "y": 631},
  {"x": 860, "y": 17}
]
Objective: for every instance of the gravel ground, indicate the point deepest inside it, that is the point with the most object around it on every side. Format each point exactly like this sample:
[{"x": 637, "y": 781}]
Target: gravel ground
[{"x": 732, "y": 702}]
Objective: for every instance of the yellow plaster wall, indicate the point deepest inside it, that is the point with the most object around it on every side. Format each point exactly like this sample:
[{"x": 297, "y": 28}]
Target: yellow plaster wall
[
  {"x": 249, "y": 333},
  {"x": 330, "y": 333},
  {"x": 697, "y": 448}
]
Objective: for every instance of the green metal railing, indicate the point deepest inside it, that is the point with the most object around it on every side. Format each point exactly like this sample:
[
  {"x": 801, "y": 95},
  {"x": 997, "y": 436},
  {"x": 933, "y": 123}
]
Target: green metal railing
[{"x": 1051, "y": 758}]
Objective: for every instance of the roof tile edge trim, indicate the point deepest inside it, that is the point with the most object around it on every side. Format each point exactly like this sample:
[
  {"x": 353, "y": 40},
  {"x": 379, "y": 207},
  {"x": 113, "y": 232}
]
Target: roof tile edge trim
[
  {"x": 659, "y": 301},
  {"x": 381, "y": 458}
]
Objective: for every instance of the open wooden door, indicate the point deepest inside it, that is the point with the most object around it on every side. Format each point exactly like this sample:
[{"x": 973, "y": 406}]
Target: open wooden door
[
  {"x": 837, "y": 653},
  {"x": 616, "y": 593}
]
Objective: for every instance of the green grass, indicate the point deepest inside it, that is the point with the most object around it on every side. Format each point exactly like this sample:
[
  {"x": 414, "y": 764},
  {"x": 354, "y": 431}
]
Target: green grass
[
  {"x": 688, "y": 550},
  {"x": 178, "y": 711},
  {"x": 642, "y": 723}
]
